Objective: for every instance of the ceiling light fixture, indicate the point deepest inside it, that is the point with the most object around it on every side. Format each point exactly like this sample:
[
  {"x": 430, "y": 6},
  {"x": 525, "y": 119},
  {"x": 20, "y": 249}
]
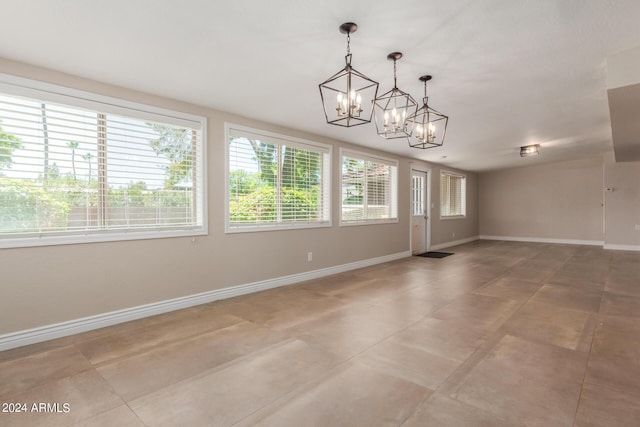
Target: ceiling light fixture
[
  {"x": 529, "y": 150},
  {"x": 392, "y": 109},
  {"x": 430, "y": 125},
  {"x": 347, "y": 96}
]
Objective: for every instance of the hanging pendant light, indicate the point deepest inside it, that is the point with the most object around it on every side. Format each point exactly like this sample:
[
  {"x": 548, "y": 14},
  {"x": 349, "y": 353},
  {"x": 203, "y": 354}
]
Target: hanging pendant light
[
  {"x": 394, "y": 108},
  {"x": 430, "y": 126},
  {"x": 347, "y": 96}
]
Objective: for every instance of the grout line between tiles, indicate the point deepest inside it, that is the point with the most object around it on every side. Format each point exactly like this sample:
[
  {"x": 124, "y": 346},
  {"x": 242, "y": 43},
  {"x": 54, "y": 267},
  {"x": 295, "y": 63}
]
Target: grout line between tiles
[{"x": 598, "y": 323}]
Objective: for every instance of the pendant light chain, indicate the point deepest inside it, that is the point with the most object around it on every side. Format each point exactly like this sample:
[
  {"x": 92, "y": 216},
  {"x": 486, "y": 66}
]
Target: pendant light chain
[
  {"x": 395, "y": 78},
  {"x": 425, "y": 100}
]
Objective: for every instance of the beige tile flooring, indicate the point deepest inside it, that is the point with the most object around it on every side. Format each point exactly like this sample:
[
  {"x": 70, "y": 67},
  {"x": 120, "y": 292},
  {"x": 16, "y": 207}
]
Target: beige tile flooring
[{"x": 499, "y": 334}]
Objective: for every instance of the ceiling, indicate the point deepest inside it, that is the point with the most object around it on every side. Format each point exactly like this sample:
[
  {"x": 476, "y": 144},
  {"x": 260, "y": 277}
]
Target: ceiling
[{"x": 507, "y": 73}]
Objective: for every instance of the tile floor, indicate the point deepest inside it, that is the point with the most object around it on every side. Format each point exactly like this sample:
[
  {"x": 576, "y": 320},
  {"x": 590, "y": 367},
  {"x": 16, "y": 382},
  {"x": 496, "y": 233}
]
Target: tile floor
[{"x": 500, "y": 334}]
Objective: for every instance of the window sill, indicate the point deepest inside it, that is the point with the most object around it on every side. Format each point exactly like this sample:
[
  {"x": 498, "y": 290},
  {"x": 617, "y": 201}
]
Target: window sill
[
  {"x": 230, "y": 229},
  {"x": 368, "y": 222},
  {"x": 453, "y": 217},
  {"x": 74, "y": 239}
]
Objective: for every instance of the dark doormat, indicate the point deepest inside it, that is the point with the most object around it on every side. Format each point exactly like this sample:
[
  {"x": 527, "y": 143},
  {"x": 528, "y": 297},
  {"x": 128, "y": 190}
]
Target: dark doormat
[{"x": 435, "y": 254}]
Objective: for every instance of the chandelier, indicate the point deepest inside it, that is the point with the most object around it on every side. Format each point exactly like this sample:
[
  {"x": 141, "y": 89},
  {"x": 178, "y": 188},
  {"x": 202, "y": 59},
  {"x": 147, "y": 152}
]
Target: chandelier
[
  {"x": 347, "y": 96},
  {"x": 430, "y": 126},
  {"x": 393, "y": 108}
]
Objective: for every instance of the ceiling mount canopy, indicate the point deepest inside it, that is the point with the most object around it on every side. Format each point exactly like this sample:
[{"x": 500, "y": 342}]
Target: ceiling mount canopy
[
  {"x": 347, "y": 96},
  {"x": 393, "y": 108},
  {"x": 430, "y": 126},
  {"x": 348, "y": 28}
]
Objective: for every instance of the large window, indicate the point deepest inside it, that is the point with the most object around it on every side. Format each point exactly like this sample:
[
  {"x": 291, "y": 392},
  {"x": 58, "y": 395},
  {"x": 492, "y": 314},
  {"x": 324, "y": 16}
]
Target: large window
[
  {"x": 275, "y": 181},
  {"x": 369, "y": 189},
  {"x": 77, "y": 167},
  {"x": 453, "y": 195}
]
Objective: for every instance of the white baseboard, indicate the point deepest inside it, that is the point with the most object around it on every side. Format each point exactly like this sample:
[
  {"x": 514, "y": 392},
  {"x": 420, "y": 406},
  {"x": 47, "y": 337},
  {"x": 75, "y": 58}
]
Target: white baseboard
[
  {"x": 544, "y": 240},
  {"x": 49, "y": 332},
  {"x": 622, "y": 247},
  {"x": 453, "y": 243}
]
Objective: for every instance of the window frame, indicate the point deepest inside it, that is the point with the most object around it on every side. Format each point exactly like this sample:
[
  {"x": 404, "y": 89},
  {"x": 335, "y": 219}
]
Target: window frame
[
  {"x": 75, "y": 98},
  {"x": 281, "y": 140},
  {"x": 393, "y": 187},
  {"x": 463, "y": 198}
]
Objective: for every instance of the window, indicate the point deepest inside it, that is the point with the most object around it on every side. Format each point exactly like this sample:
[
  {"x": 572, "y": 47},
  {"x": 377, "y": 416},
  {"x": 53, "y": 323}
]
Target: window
[
  {"x": 453, "y": 195},
  {"x": 369, "y": 189},
  {"x": 417, "y": 199},
  {"x": 77, "y": 167},
  {"x": 275, "y": 181}
]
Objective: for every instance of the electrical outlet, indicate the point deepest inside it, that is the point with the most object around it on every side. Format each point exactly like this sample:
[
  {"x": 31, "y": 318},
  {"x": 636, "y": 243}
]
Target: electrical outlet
[
  {"x": 309, "y": 256},
  {"x": 453, "y": 234}
]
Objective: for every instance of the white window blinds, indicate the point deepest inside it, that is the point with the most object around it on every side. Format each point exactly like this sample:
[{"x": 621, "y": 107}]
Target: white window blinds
[
  {"x": 453, "y": 198},
  {"x": 72, "y": 171},
  {"x": 274, "y": 181},
  {"x": 369, "y": 189}
]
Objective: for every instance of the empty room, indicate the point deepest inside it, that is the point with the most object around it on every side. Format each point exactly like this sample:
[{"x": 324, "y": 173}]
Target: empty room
[{"x": 320, "y": 213}]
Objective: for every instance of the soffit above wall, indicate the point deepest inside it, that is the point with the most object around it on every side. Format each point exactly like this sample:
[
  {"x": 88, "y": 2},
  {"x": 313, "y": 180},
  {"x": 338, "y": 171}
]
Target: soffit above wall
[
  {"x": 624, "y": 108},
  {"x": 623, "y": 83}
]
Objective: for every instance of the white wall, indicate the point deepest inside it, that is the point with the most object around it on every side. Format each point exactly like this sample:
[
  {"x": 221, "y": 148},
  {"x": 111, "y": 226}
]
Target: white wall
[
  {"x": 557, "y": 201},
  {"x": 564, "y": 201}
]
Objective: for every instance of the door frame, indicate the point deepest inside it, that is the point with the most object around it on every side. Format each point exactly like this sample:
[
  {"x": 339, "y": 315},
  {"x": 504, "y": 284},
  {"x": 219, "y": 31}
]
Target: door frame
[{"x": 427, "y": 206}]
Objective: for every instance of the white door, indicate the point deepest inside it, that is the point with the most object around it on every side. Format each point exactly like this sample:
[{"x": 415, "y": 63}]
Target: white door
[{"x": 419, "y": 212}]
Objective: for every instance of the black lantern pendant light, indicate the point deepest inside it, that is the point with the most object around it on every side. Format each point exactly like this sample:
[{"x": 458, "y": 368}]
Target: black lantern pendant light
[
  {"x": 394, "y": 108},
  {"x": 347, "y": 96},
  {"x": 430, "y": 126}
]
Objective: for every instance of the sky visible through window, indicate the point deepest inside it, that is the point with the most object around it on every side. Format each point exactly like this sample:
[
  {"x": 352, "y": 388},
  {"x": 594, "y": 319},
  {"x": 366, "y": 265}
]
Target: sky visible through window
[
  {"x": 128, "y": 143},
  {"x": 237, "y": 145}
]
